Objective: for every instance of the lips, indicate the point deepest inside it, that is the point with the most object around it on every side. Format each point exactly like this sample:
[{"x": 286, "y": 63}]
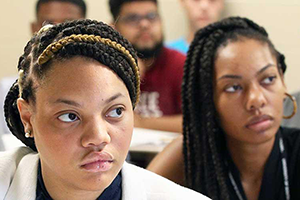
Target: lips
[
  {"x": 260, "y": 123},
  {"x": 97, "y": 162}
]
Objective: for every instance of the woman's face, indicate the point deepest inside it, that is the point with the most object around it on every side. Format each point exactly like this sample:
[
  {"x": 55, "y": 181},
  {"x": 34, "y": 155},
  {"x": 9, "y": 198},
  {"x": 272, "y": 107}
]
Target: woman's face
[
  {"x": 248, "y": 91},
  {"x": 82, "y": 124}
]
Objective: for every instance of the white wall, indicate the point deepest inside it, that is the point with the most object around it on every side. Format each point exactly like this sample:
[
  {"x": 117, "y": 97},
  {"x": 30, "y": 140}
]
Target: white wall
[{"x": 280, "y": 18}]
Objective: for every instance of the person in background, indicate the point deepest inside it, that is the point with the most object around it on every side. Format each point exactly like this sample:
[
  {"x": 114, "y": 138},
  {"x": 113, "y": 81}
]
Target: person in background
[
  {"x": 73, "y": 108},
  {"x": 233, "y": 146},
  {"x": 57, "y": 11},
  {"x": 46, "y": 12},
  {"x": 200, "y": 13},
  {"x": 162, "y": 68}
]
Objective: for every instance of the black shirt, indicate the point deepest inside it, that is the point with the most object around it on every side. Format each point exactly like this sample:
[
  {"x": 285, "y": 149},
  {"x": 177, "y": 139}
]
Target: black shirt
[
  {"x": 112, "y": 192},
  {"x": 272, "y": 186}
]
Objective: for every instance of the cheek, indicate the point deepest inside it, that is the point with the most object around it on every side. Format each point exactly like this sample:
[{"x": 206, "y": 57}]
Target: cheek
[
  {"x": 51, "y": 141},
  {"x": 229, "y": 110}
]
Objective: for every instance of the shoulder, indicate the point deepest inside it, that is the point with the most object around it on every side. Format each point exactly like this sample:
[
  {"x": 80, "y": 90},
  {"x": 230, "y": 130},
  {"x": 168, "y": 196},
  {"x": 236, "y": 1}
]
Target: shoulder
[
  {"x": 20, "y": 158},
  {"x": 157, "y": 187},
  {"x": 171, "y": 59},
  {"x": 291, "y": 138},
  {"x": 172, "y": 53}
]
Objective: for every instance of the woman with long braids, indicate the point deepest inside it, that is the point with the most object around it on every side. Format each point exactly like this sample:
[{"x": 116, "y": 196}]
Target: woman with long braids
[
  {"x": 72, "y": 106},
  {"x": 233, "y": 92}
]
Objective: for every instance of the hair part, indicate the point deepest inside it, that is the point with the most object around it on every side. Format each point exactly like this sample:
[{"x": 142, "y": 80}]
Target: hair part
[
  {"x": 80, "y": 3},
  {"x": 204, "y": 144}
]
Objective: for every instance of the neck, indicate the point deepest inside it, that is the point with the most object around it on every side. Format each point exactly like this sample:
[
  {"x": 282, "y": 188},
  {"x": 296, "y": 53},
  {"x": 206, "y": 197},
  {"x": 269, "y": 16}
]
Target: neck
[
  {"x": 250, "y": 159},
  {"x": 61, "y": 190},
  {"x": 191, "y": 34}
]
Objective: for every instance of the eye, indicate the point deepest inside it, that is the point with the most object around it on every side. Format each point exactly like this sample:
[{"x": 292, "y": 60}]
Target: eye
[
  {"x": 116, "y": 113},
  {"x": 269, "y": 80},
  {"x": 233, "y": 88},
  {"x": 68, "y": 117}
]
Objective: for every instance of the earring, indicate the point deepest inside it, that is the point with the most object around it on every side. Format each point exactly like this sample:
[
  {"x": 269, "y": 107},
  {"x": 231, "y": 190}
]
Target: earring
[
  {"x": 28, "y": 134},
  {"x": 293, "y": 99}
]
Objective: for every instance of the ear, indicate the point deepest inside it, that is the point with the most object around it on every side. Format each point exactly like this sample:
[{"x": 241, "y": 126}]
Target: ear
[{"x": 26, "y": 114}]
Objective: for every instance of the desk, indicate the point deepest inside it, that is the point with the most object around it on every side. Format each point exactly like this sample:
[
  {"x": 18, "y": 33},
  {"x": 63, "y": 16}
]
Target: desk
[{"x": 146, "y": 143}]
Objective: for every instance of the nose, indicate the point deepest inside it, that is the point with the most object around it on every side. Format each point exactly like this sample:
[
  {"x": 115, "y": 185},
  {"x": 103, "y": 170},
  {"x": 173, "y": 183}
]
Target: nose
[
  {"x": 144, "y": 23},
  {"x": 96, "y": 134},
  {"x": 255, "y": 98}
]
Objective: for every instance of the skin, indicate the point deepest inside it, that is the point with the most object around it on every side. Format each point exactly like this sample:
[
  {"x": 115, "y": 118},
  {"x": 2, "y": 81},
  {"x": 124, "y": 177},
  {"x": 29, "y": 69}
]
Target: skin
[
  {"x": 249, "y": 91},
  {"x": 245, "y": 88},
  {"x": 55, "y": 12},
  {"x": 146, "y": 34},
  {"x": 201, "y": 13},
  {"x": 95, "y": 95}
]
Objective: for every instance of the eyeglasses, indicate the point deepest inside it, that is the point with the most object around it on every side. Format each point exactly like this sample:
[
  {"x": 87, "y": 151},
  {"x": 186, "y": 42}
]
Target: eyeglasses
[{"x": 134, "y": 19}]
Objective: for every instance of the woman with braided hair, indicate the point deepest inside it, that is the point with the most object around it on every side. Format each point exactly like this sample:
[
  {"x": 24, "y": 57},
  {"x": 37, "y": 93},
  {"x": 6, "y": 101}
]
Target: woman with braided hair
[
  {"x": 72, "y": 106},
  {"x": 233, "y": 92}
]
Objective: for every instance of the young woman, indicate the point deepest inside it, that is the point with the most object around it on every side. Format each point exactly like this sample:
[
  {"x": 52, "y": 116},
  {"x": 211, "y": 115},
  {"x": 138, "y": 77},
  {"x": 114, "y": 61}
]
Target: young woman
[
  {"x": 233, "y": 93},
  {"x": 73, "y": 107}
]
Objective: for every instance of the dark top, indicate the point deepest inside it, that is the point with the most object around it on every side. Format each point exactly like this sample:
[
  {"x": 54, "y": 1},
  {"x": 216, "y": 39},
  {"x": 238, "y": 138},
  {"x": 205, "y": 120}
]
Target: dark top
[
  {"x": 272, "y": 186},
  {"x": 112, "y": 192}
]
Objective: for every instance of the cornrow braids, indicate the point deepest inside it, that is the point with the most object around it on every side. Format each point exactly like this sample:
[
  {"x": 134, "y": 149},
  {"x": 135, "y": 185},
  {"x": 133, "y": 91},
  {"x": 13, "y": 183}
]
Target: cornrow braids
[
  {"x": 87, "y": 38},
  {"x": 204, "y": 144}
]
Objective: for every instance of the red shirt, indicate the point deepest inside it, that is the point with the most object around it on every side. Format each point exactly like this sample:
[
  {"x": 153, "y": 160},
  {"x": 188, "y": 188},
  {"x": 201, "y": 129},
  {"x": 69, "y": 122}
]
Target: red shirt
[{"x": 161, "y": 85}]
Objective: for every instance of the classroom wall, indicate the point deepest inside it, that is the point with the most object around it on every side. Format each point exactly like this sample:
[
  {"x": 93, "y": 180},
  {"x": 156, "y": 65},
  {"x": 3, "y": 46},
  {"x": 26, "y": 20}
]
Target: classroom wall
[{"x": 280, "y": 18}]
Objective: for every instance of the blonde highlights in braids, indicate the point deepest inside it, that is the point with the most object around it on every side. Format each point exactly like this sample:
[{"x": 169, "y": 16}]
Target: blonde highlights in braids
[{"x": 50, "y": 51}]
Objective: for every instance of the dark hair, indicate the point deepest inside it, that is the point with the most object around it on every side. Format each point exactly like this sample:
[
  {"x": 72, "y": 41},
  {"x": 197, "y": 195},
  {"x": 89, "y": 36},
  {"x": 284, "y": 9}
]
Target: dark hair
[
  {"x": 87, "y": 38},
  {"x": 80, "y": 3},
  {"x": 115, "y": 6},
  {"x": 204, "y": 140}
]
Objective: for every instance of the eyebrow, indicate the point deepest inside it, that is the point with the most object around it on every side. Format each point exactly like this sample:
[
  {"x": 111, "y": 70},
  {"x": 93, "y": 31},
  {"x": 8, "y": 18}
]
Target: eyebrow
[
  {"x": 114, "y": 97},
  {"x": 69, "y": 102},
  {"x": 74, "y": 103},
  {"x": 229, "y": 76}
]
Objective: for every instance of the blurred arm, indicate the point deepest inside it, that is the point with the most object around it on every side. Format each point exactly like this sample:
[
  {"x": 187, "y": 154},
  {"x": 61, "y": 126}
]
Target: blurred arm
[{"x": 170, "y": 163}]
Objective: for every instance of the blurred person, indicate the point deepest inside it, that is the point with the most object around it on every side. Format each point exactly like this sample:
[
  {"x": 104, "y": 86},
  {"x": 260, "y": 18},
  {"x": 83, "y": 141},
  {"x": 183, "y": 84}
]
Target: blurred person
[
  {"x": 160, "y": 106},
  {"x": 57, "y": 11},
  {"x": 199, "y": 14},
  {"x": 72, "y": 106}
]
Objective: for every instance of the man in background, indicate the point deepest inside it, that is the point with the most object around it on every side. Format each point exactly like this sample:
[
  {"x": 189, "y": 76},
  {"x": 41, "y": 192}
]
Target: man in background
[
  {"x": 47, "y": 11},
  {"x": 57, "y": 11},
  {"x": 200, "y": 13},
  {"x": 161, "y": 68}
]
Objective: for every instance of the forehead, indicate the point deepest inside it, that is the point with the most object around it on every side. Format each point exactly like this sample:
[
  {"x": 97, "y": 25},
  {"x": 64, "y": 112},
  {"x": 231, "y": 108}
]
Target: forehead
[
  {"x": 78, "y": 73},
  {"x": 243, "y": 56},
  {"x": 58, "y": 12},
  {"x": 202, "y": 1},
  {"x": 138, "y": 7}
]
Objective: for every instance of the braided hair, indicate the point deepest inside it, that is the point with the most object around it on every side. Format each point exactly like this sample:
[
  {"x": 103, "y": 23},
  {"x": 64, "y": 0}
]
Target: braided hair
[
  {"x": 204, "y": 140},
  {"x": 87, "y": 38}
]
